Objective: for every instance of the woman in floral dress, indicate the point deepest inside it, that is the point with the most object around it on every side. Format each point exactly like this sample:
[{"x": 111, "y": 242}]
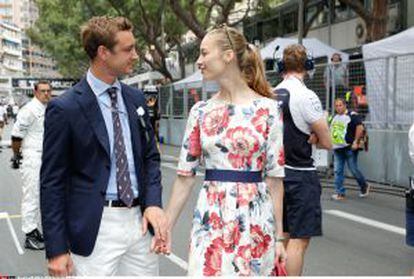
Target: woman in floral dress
[{"x": 237, "y": 224}]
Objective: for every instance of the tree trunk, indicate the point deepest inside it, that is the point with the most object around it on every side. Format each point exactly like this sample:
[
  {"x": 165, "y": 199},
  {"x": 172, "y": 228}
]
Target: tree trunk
[
  {"x": 186, "y": 17},
  {"x": 375, "y": 21},
  {"x": 308, "y": 24},
  {"x": 181, "y": 61},
  {"x": 379, "y": 20}
]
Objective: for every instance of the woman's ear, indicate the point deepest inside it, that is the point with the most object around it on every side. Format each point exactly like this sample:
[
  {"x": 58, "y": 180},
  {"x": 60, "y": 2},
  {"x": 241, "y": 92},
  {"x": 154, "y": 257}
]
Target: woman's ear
[{"x": 228, "y": 56}]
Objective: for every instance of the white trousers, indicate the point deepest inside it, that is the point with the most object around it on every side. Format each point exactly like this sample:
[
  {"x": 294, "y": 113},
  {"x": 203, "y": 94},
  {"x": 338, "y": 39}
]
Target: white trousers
[
  {"x": 30, "y": 191},
  {"x": 120, "y": 247}
]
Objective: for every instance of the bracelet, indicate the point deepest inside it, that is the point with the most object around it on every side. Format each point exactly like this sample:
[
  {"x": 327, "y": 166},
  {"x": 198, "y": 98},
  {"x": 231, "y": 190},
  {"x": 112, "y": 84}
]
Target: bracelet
[{"x": 280, "y": 239}]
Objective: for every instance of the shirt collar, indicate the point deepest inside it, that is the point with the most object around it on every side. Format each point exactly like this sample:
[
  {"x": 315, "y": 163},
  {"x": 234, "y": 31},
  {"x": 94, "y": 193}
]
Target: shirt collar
[
  {"x": 294, "y": 79},
  {"x": 98, "y": 86},
  {"x": 38, "y": 103}
]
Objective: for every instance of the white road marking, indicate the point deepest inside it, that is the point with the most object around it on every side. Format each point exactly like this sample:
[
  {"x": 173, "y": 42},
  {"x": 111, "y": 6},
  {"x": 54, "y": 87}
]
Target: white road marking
[
  {"x": 178, "y": 261},
  {"x": 5, "y": 143},
  {"x": 174, "y": 167},
  {"x": 5, "y": 215},
  {"x": 366, "y": 221}
]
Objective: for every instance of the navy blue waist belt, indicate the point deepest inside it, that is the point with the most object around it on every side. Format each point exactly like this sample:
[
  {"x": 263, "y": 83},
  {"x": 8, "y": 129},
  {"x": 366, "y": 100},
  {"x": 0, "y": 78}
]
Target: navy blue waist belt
[{"x": 234, "y": 176}]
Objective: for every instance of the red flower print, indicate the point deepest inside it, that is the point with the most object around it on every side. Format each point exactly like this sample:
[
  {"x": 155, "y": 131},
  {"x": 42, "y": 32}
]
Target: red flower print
[
  {"x": 194, "y": 146},
  {"x": 231, "y": 236},
  {"x": 259, "y": 161},
  {"x": 242, "y": 260},
  {"x": 214, "y": 195},
  {"x": 260, "y": 241},
  {"x": 244, "y": 252},
  {"x": 215, "y": 121},
  {"x": 281, "y": 160},
  {"x": 259, "y": 121},
  {"x": 212, "y": 264},
  {"x": 241, "y": 144},
  {"x": 246, "y": 193},
  {"x": 215, "y": 221}
]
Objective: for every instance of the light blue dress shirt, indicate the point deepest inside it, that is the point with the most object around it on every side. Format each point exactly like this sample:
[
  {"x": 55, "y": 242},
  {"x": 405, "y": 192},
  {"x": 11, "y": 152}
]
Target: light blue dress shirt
[{"x": 99, "y": 88}]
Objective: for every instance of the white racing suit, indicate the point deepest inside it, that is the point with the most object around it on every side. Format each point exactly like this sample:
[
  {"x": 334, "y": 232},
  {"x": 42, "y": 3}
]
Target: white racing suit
[{"x": 29, "y": 127}]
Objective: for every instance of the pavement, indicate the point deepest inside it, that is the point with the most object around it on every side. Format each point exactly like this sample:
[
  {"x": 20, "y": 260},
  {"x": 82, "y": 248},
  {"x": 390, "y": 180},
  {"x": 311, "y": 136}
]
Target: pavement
[{"x": 362, "y": 237}]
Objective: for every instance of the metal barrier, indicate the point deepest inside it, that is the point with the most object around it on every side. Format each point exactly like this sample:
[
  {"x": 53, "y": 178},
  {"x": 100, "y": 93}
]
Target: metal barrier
[{"x": 379, "y": 89}]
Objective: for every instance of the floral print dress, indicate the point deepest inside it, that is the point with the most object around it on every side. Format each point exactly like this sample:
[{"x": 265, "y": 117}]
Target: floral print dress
[{"x": 233, "y": 225}]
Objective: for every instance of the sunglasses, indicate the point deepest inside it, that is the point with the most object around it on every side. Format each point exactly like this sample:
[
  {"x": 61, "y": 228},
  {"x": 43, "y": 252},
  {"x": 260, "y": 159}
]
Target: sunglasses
[
  {"x": 224, "y": 27},
  {"x": 45, "y": 90}
]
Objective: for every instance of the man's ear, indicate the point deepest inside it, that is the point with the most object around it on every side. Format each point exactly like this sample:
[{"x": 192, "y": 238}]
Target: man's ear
[{"x": 102, "y": 52}]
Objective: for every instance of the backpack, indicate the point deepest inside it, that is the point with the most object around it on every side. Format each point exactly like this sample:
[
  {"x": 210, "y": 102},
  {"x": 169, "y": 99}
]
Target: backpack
[{"x": 364, "y": 140}]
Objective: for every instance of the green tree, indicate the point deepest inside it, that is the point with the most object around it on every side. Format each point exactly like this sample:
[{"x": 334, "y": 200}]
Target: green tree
[
  {"x": 58, "y": 30},
  {"x": 158, "y": 26}
]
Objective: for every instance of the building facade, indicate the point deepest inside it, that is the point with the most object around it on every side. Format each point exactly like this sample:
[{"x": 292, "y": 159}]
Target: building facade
[
  {"x": 11, "y": 60},
  {"x": 22, "y": 14},
  {"x": 336, "y": 25},
  {"x": 6, "y": 10}
]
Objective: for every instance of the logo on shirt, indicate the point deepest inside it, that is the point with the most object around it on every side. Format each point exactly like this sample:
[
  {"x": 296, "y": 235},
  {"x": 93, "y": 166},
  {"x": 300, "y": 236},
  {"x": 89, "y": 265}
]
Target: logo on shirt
[{"x": 316, "y": 104}]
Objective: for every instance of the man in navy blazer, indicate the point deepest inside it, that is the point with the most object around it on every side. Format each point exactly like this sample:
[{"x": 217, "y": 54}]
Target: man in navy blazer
[{"x": 100, "y": 174}]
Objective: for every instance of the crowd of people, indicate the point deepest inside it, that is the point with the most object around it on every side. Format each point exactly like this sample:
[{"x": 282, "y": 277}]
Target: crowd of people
[{"x": 91, "y": 167}]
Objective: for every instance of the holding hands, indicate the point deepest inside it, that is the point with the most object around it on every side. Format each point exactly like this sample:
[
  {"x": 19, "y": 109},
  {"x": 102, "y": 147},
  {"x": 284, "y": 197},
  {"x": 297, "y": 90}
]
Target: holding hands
[{"x": 161, "y": 242}]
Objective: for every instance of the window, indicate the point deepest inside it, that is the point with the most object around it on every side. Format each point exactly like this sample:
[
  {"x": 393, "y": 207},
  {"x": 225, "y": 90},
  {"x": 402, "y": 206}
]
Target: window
[
  {"x": 270, "y": 29},
  {"x": 341, "y": 11},
  {"x": 290, "y": 22}
]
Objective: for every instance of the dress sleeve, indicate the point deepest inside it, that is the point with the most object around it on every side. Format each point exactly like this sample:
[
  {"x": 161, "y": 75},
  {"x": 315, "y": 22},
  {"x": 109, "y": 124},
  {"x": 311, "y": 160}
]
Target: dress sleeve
[
  {"x": 191, "y": 147},
  {"x": 275, "y": 154}
]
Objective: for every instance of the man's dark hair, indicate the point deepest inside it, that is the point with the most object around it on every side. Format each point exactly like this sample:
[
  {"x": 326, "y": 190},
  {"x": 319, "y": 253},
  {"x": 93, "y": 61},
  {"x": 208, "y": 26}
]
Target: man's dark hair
[
  {"x": 36, "y": 85},
  {"x": 101, "y": 31}
]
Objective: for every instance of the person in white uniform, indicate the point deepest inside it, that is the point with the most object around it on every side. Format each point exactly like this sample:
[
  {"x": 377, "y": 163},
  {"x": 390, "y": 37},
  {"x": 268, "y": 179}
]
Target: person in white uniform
[
  {"x": 27, "y": 138},
  {"x": 2, "y": 124},
  {"x": 15, "y": 111}
]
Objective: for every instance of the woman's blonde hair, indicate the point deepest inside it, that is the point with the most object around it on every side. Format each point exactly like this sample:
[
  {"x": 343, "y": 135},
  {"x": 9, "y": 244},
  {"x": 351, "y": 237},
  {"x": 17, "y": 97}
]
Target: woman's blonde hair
[{"x": 248, "y": 58}]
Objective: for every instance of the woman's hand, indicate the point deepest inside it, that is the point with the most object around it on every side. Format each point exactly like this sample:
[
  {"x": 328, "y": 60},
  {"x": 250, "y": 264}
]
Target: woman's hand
[
  {"x": 162, "y": 246},
  {"x": 281, "y": 255}
]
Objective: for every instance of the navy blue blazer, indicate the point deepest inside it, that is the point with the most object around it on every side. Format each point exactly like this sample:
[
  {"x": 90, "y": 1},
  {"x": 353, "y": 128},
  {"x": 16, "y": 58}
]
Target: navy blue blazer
[{"x": 76, "y": 165}]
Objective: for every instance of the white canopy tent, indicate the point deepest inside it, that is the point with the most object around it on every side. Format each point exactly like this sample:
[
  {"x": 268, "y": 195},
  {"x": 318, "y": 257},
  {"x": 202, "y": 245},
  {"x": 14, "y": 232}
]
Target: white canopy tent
[
  {"x": 389, "y": 69},
  {"x": 316, "y": 48},
  {"x": 195, "y": 80}
]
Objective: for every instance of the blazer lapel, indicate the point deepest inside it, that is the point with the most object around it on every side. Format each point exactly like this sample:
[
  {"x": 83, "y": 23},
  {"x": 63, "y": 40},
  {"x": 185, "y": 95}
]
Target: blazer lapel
[
  {"x": 87, "y": 100},
  {"x": 133, "y": 121}
]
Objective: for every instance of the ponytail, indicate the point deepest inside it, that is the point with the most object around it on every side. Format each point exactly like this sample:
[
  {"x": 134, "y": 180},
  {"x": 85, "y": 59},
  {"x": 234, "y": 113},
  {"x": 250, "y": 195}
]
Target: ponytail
[{"x": 253, "y": 72}]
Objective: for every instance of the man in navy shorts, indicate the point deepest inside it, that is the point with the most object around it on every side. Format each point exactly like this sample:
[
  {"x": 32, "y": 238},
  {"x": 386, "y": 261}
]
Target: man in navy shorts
[{"x": 304, "y": 125}]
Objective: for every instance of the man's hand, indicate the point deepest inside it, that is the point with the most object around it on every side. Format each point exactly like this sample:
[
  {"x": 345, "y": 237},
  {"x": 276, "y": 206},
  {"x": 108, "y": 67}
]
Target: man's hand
[
  {"x": 61, "y": 265},
  {"x": 157, "y": 218},
  {"x": 313, "y": 139},
  {"x": 15, "y": 161}
]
